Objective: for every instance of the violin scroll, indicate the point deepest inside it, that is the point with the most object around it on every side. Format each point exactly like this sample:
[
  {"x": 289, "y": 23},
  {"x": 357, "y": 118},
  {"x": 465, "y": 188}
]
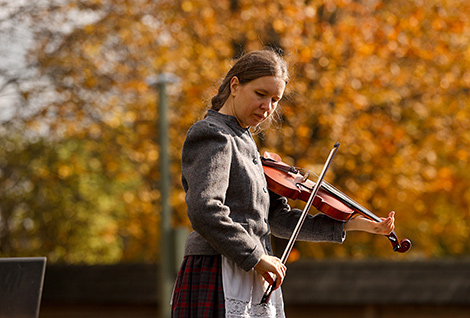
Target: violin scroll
[{"x": 402, "y": 247}]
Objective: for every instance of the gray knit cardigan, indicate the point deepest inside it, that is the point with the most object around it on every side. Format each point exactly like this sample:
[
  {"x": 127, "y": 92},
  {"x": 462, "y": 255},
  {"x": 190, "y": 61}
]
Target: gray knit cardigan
[{"x": 231, "y": 210}]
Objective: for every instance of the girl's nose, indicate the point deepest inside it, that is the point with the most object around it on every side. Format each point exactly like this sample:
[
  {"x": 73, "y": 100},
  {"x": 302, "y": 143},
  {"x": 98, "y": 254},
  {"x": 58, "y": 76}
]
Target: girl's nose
[{"x": 268, "y": 105}]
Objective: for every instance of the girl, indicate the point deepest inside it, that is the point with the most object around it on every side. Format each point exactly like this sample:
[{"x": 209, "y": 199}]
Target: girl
[{"x": 228, "y": 260}]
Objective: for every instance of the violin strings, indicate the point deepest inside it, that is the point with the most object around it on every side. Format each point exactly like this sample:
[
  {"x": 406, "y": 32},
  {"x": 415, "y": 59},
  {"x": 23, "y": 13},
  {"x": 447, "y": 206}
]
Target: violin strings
[{"x": 347, "y": 200}]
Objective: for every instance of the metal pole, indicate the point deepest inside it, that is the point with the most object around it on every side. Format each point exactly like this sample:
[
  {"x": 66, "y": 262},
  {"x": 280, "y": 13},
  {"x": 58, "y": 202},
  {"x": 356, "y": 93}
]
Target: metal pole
[{"x": 167, "y": 256}]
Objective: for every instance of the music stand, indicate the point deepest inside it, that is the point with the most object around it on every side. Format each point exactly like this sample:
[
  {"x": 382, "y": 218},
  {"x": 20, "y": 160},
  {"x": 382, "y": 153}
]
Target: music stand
[{"x": 21, "y": 283}]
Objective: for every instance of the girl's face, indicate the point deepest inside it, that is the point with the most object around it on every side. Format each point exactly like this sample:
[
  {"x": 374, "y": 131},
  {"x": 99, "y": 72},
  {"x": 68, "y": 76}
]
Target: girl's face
[{"x": 255, "y": 101}]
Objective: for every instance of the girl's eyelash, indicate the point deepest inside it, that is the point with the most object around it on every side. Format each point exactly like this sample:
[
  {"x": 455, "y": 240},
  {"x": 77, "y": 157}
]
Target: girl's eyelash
[{"x": 263, "y": 94}]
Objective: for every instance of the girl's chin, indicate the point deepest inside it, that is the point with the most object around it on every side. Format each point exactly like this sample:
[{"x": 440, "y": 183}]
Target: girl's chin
[{"x": 258, "y": 120}]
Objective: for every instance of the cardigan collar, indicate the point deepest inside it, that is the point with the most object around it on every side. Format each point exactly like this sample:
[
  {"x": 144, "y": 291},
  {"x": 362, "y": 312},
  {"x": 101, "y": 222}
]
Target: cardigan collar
[{"x": 228, "y": 119}]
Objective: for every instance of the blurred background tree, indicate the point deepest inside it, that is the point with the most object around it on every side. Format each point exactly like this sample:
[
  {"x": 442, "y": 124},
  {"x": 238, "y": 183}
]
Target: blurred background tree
[{"x": 79, "y": 160}]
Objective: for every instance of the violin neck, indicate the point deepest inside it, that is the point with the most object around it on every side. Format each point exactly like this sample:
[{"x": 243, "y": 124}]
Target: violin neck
[{"x": 349, "y": 202}]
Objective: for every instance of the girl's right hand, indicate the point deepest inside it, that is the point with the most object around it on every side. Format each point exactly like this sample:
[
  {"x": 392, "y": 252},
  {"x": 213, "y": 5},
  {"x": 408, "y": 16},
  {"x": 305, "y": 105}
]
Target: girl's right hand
[{"x": 271, "y": 264}]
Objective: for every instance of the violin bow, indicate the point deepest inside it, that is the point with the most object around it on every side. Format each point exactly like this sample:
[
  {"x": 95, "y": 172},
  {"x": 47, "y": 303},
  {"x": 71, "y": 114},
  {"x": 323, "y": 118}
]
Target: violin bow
[{"x": 300, "y": 222}]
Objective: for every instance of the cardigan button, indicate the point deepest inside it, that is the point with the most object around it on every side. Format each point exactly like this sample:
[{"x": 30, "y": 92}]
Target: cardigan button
[{"x": 255, "y": 161}]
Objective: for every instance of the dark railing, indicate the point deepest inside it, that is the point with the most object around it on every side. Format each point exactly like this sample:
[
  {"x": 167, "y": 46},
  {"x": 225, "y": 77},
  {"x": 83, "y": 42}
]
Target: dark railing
[{"x": 435, "y": 287}]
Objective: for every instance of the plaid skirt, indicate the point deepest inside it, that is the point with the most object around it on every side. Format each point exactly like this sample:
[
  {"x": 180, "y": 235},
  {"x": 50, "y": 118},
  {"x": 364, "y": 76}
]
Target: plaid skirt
[{"x": 198, "y": 289}]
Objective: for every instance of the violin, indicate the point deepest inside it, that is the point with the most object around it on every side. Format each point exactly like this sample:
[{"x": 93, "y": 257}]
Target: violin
[{"x": 293, "y": 183}]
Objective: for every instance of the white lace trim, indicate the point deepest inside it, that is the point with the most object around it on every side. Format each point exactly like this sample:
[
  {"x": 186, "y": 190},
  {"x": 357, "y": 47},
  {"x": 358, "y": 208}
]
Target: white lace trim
[
  {"x": 243, "y": 292},
  {"x": 235, "y": 308}
]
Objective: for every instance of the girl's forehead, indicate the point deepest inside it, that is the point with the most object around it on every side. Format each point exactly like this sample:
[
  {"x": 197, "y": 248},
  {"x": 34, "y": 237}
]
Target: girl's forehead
[
  {"x": 269, "y": 81},
  {"x": 272, "y": 84}
]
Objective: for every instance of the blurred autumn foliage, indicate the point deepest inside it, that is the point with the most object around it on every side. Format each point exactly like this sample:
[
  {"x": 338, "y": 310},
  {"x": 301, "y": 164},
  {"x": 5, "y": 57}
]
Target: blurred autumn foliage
[{"x": 389, "y": 80}]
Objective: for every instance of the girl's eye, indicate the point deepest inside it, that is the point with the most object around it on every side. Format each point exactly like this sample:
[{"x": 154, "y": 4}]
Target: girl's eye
[{"x": 260, "y": 94}]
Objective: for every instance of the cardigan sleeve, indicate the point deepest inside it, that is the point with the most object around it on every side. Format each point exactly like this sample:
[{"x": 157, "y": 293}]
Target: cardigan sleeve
[
  {"x": 316, "y": 228},
  {"x": 206, "y": 159}
]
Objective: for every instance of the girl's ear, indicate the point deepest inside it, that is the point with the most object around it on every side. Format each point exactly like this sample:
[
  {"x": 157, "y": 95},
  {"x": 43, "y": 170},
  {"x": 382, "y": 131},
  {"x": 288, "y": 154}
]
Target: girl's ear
[{"x": 234, "y": 85}]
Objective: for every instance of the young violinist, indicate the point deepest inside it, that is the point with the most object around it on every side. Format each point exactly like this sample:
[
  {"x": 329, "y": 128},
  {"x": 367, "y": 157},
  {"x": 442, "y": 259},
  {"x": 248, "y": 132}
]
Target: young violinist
[{"x": 228, "y": 261}]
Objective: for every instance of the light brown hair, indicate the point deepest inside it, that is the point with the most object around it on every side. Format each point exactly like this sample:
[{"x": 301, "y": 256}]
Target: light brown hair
[{"x": 249, "y": 67}]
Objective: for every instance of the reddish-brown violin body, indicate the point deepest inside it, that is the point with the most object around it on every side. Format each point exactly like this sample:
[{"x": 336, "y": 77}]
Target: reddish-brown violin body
[
  {"x": 295, "y": 186},
  {"x": 287, "y": 181}
]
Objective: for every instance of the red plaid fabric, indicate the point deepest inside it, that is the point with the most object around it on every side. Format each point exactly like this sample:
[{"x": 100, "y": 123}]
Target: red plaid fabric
[{"x": 198, "y": 291}]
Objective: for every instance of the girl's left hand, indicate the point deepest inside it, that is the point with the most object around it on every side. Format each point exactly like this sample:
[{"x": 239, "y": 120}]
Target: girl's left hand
[{"x": 360, "y": 223}]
